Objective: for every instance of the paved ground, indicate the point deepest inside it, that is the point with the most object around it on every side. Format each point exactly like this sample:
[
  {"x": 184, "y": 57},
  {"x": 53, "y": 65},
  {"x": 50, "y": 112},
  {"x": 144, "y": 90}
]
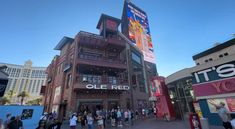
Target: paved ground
[{"x": 151, "y": 124}]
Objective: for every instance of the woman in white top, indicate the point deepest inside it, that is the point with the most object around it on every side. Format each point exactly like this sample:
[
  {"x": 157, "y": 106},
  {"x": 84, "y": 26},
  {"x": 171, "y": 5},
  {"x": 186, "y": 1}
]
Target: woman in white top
[{"x": 73, "y": 121}]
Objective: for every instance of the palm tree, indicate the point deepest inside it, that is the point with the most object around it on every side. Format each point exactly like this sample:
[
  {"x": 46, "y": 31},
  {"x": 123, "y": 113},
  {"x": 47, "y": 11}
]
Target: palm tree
[
  {"x": 35, "y": 101},
  {"x": 23, "y": 95},
  {"x": 11, "y": 93},
  {"x": 4, "y": 100}
]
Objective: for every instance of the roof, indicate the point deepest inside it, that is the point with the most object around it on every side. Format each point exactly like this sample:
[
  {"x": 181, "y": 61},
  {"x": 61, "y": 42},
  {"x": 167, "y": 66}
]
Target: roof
[
  {"x": 215, "y": 49},
  {"x": 181, "y": 74},
  {"x": 62, "y": 42},
  {"x": 104, "y": 16}
]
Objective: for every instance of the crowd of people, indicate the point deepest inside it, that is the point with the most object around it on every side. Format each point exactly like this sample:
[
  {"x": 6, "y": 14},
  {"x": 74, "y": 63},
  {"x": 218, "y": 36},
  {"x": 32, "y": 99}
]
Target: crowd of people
[
  {"x": 100, "y": 118},
  {"x": 11, "y": 122},
  {"x": 49, "y": 121}
]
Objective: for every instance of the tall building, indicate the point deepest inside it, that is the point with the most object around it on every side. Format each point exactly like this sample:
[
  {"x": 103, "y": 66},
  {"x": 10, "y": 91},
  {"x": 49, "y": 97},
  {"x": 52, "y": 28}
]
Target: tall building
[
  {"x": 25, "y": 77},
  {"x": 135, "y": 27},
  {"x": 96, "y": 71}
]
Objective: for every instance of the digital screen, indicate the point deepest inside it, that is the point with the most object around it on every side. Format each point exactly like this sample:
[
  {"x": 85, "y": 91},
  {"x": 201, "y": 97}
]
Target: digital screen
[{"x": 139, "y": 32}]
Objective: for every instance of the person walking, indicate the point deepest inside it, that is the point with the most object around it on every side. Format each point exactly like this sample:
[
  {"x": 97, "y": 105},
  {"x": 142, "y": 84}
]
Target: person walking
[
  {"x": 119, "y": 118},
  {"x": 73, "y": 121},
  {"x": 7, "y": 121},
  {"x": 90, "y": 121},
  {"x": 126, "y": 116},
  {"x": 223, "y": 114},
  {"x": 99, "y": 118},
  {"x": 113, "y": 118}
]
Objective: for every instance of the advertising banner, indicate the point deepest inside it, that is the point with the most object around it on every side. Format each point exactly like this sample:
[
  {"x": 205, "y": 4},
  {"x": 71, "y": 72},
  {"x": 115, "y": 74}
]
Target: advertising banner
[
  {"x": 139, "y": 32},
  {"x": 215, "y": 88},
  {"x": 229, "y": 104}
]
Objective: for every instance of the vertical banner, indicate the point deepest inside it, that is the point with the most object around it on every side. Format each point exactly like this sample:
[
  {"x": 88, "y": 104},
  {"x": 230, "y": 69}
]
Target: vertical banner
[{"x": 139, "y": 32}]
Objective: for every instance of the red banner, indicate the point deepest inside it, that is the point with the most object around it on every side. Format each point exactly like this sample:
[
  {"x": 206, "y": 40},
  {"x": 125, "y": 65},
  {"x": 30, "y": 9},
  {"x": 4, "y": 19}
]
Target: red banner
[{"x": 214, "y": 88}]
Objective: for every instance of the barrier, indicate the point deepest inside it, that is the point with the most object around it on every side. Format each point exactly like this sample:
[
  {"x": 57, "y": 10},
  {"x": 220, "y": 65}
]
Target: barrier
[{"x": 30, "y": 114}]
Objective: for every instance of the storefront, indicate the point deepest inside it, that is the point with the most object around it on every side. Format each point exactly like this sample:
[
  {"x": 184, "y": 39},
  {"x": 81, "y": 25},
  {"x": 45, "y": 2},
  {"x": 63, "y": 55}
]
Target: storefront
[{"x": 215, "y": 83}]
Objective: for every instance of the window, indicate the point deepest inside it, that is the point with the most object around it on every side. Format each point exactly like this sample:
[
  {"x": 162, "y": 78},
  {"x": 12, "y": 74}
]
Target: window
[
  {"x": 34, "y": 84},
  {"x": 206, "y": 60},
  {"x": 136, "y": 58},
  {"x": 38, "y": 86},
  {"x": 17, "y": 72},
  {"x": 14, "y": 84},
  {"x": 220, "y": 56},
  {"x": 30, "y": 85},
  {"x": 69, "y": 80},
  {"x": 9, "y": 85},
  {"x": 210, "y": 59},
  {"x": 198, "y": 63},
  {"x": 21, "y": 85},
  {"x": 226, "y": 54}
]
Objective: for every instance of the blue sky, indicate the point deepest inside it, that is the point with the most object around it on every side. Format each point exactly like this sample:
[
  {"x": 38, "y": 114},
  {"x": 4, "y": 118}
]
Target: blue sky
[{"x": 30, "y": 29}]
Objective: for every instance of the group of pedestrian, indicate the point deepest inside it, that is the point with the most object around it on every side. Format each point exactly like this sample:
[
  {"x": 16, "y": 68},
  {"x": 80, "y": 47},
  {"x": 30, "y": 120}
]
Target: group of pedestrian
[
  {"x": 11, "y": 122},
  {"x": 49, "y": 121}
]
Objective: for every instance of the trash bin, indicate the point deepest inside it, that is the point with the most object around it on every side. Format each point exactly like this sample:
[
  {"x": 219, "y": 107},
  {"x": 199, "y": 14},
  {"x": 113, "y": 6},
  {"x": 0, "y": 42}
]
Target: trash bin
[{"x": 204, "y": 123}]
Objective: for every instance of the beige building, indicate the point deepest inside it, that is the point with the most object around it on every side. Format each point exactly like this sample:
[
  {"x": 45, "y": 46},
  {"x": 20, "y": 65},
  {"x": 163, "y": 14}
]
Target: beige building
[{"x": 25, "y": 77}]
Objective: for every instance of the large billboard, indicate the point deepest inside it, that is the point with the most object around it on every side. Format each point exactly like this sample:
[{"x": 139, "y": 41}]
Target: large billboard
[{"x": 138, "y": 30}]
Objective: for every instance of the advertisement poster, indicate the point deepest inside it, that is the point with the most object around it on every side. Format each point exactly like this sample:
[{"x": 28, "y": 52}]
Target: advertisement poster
[
  {"x": 197, "y": 109},
  {"x": 229, "y": 104},
  {"x": 139, "y": 32},
  {"x": 27, "y": 114},
  {"x": 157, "y": 86},
  {"x": 57, "y": 95}
]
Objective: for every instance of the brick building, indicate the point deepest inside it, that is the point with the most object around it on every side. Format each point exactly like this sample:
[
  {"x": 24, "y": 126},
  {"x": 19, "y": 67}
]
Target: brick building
[{"x": 96, "y": 71}]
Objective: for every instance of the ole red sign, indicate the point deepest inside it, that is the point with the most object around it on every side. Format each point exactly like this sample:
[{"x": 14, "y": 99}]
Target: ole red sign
[{"x": 215, "y": 88}]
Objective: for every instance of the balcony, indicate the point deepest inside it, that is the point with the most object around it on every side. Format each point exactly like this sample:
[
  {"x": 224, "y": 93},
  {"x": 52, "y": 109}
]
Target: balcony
[
  {"x": 97, "y": 82},
  {"x": 101, "y": 61}
]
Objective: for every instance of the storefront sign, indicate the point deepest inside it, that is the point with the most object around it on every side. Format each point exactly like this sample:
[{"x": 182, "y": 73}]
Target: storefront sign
[
  {"x": 106, "y": 87},
  {"x": 214, "y": 88},
  {"x": 215, "y": 73}
]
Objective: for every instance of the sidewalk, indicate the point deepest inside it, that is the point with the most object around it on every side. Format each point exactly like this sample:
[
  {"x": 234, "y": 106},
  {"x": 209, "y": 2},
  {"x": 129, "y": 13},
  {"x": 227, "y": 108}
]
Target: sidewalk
[{"x": 150, "y": 123}]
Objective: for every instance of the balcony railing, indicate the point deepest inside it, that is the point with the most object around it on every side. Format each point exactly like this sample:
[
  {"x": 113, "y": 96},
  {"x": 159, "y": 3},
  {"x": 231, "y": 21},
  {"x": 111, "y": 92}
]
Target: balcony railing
[
  {"x": 97, "y": 81},
  {"x": 101, "y": 61}
]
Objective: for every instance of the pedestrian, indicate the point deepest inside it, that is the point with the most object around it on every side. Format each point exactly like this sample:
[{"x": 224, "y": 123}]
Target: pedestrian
[
  {"x": 1, "y": 124},
  {"x": 233, "y": 120},
  {"x": 90, "y": 121},
  {"x": 41, "y": 125},
  {"x": 99, "y": 119},
  {"x": 104, "y": 117},
  {"x": 7, "y": 121},
  {"x": 19, "y": 122},
  {"x": 136, "y": 114},
  {"x": 143, "y": 113},
  {"x": 223, "y": 114},
  {"x": 119, "y": 118},
  {"x": 113, "y": 117},
  {"x": 195, "y": 123},
  {"x": 73, "y": 121},
  {"x": 126, "y": 116},
  {"x": 44, "y": 116},
  {"x": 84, "y": 121}
]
